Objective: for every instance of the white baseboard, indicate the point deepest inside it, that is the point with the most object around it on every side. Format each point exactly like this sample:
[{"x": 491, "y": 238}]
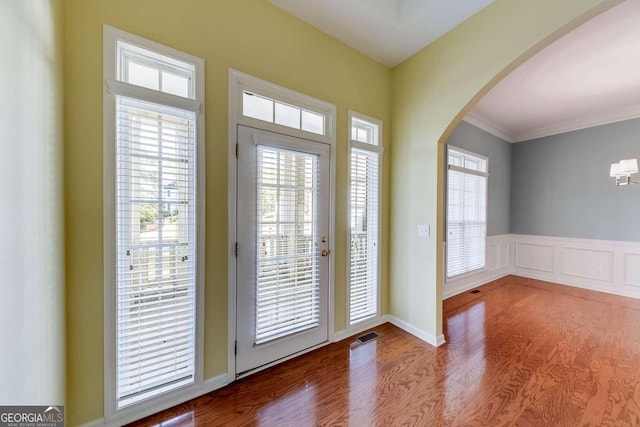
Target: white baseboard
[
  {"x": 576, "y": 285},
  {"x": 387, "y": 318},
  {"x": 456, "y": 288},
  {"x": 498, "y": 264},
  {"x": 208, "y": 386},
  {"x": 599, "y": 265},
  {"x": 418, "y": 333},
  {"x": 360, "y": 327}
]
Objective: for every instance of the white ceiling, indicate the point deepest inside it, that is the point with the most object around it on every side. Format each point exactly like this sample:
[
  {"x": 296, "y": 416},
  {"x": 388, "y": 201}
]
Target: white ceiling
[
  {"x": 388, "y": 31},
  {"x": 588, "y": 78}
]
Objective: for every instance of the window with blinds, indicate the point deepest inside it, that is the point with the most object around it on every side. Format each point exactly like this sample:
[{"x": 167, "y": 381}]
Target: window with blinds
[
  {"x": 466, "y": 211},
  {"x": 155, "y": 193},
  {"x": 156, "y": 230},
  {"x": 288, "y": 282},
  {"x": 364, "y": 211}
]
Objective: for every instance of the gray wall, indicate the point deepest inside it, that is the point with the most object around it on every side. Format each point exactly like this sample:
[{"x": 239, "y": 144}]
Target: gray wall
[
  {"x": 498, "y": 151},
  {"x": 561, "y": 185}
]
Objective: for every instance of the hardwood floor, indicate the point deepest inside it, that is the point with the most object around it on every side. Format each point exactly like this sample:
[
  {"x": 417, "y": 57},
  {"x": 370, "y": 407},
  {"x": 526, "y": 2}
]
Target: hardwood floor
[{"x": 521, "y": 352}]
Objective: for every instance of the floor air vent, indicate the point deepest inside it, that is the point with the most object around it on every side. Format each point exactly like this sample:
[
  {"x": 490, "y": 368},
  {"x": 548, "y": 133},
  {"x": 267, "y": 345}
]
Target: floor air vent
[
  {"x": 475, "y": 291},
  {"x": 367, "y": 337}
]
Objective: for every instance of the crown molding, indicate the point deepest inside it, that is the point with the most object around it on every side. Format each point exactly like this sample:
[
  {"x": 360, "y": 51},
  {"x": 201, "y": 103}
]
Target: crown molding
[
  {"x": 473, "y": 118},
  {"x": 582, "y": 123},
  {"x": 486, "y": 125}
]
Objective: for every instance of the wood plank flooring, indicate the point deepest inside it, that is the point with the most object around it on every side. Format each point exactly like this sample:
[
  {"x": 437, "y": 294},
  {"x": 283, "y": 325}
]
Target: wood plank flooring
[{"x": 521, "y": 352}]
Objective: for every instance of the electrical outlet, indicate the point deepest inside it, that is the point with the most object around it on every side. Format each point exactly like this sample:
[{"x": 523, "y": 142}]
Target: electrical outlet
[{"x": 424, "y": 230}]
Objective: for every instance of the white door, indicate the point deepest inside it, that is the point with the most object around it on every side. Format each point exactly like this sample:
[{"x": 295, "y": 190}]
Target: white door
[{"x": 283, "y": 246}]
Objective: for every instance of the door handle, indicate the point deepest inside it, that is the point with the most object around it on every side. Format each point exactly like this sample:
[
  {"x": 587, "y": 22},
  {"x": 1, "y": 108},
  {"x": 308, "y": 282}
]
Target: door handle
[{"x": 325, "y": 252}]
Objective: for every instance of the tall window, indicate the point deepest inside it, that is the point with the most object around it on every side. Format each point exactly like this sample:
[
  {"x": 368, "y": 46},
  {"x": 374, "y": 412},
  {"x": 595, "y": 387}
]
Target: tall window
[
  {"x": 364, "y": 211},
  {"x": 466, "y": 211},
  {"x": 152, "y": 120}
]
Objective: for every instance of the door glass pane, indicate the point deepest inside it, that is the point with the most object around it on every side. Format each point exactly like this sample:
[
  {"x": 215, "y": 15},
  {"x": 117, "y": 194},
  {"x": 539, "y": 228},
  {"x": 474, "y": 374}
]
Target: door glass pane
[{"x": 287, "y": 270}]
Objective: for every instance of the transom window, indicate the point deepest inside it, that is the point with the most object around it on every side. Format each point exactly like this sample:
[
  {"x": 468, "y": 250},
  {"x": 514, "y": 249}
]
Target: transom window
[
  {"x": 363, "y": 131},
  {"x": 269, "y": 110},
  {"x": 141, "y": 67}
]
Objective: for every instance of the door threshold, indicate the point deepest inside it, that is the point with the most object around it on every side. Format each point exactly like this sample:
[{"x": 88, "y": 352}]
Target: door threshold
[{"x": 245, "y": 374}]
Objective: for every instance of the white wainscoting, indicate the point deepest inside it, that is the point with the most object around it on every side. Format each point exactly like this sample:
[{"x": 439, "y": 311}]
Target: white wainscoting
[
  {"x": 631, "y": 269},
  {"x": 601, "y": 265},
  {"x": 497, "y": 265},
  {"x": 534, "y": 256}
]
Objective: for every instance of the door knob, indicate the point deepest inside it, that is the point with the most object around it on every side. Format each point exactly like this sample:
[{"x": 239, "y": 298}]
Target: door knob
[{"x": 325, "y": 252}]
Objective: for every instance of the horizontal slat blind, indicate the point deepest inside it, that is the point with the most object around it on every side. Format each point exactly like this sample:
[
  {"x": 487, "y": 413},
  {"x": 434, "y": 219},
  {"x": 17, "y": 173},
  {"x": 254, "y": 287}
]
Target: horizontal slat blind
[
  {"x": 155, "y": 246},
  {"x": 363, "y": 280},
  {"x": 287, "y": 259},
  {"x": 466, "y": 212}
]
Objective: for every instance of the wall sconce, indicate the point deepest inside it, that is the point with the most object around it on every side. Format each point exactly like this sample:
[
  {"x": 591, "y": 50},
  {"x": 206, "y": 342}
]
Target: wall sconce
[{"x": 623, "y": 170}]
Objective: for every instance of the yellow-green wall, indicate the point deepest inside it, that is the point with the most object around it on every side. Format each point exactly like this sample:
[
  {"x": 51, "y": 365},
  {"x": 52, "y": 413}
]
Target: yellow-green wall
[
  {"x": 431, "y": 91},
  {"x": 251, "y": 36}
]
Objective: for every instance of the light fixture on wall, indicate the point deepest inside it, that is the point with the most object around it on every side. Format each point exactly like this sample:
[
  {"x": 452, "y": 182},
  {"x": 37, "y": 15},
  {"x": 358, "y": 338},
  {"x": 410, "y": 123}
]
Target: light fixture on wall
[{"x": 623, "y": 170}]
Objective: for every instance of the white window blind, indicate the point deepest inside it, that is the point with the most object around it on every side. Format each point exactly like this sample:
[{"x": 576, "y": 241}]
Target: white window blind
[
  {"x": 155, "y": 247},
  {"x": 466, "y": 211},
  {"x": 364, "y": 215},
  {"x": 288, "y": 282},
  {"x": 155, "y": 150}
]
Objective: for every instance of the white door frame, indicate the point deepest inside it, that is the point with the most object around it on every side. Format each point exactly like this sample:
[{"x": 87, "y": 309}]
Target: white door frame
[{"x": 238, "y": 82}]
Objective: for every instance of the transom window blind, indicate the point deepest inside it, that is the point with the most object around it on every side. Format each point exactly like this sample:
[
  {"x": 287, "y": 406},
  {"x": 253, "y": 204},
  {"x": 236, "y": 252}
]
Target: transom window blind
[
  {"x": 288, "y": 282},
  {"x": 364, "y": 215},
  {"x": 466, "y": 211}
]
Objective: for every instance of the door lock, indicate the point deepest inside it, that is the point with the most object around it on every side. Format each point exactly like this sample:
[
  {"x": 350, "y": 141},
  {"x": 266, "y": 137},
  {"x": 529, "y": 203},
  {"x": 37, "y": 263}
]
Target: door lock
[{"x": 325, "y": 252}]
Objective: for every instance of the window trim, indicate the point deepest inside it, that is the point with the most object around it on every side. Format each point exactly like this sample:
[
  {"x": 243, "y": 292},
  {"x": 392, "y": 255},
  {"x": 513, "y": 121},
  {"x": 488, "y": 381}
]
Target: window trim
[
  {"x": 112, "y": 87},
  {"x": 379, "y": 149},
  {"x": 448, "y": 167},
  {"x": 240, "y": 83}
]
